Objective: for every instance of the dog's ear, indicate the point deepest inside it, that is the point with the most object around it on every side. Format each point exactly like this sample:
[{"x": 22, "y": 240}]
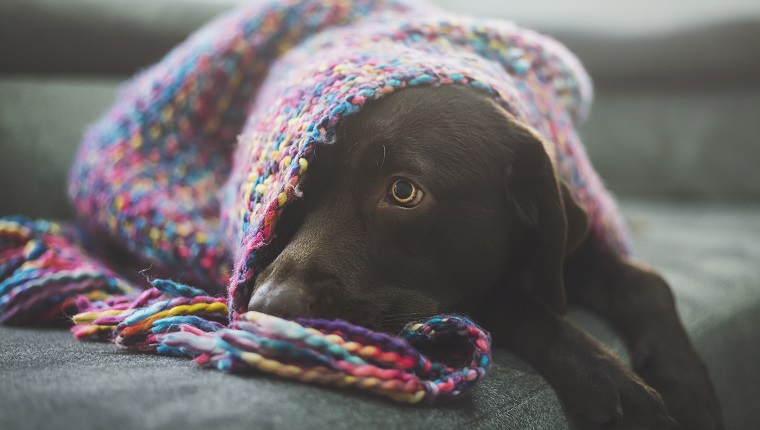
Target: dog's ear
[
  {"x": 551, "y": 220},
  {"x": 577, "y": 219}
]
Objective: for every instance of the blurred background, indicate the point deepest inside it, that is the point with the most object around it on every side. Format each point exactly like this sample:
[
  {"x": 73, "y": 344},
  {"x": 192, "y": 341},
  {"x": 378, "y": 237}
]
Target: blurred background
[{"x": 677, "y": 111}]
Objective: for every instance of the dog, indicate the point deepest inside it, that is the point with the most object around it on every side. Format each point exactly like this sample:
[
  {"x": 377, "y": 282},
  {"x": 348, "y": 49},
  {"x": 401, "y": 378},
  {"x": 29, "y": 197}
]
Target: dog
[
  {"x": 427, "y": 200},
  {"x": 437, "y": 200}
]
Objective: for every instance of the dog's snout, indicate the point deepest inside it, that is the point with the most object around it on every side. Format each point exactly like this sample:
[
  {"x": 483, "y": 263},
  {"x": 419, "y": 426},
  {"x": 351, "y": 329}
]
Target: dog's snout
[{"x": 288, "y": 299}]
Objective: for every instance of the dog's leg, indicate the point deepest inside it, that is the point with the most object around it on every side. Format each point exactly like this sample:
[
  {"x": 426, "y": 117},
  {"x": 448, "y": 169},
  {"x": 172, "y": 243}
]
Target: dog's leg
[
  {"x": 640, "y": 304},
  {"x": 591, "y": 381}
]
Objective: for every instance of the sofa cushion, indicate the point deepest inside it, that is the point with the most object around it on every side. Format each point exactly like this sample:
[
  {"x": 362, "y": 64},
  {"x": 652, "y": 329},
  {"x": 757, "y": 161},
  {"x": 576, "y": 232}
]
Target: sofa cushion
[{"x": 51, "y": 378}]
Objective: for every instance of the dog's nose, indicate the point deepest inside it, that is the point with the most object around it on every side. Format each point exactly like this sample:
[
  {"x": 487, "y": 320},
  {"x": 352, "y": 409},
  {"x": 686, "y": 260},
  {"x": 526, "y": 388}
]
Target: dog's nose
[{"x": 288, "y": 299}]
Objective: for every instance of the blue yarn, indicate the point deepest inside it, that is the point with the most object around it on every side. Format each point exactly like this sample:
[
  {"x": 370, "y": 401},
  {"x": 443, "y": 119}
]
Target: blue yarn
[
  {"x": 175, "y": 289},
  {"x": 165, "y": 324}
]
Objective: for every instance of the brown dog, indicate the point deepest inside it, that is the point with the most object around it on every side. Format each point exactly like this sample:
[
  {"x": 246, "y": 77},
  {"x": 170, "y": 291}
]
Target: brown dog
[{"x": 435, "y": 200}]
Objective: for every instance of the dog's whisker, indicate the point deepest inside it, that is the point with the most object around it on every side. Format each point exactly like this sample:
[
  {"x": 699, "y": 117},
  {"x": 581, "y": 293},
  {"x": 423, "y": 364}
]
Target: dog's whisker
[
  {"x": 400, "y": 320},
  {"x": 405, "y": 315},
  {"x": 382, "y": 163},
  {"x": 396, "y": 316},
  {"x": 404, "y": 318},
  {"x": 348, "y": 153}
]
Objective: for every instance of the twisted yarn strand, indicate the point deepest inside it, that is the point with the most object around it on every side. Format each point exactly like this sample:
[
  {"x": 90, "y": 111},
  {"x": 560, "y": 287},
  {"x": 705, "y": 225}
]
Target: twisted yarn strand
[{"x": 317, "y": 351}]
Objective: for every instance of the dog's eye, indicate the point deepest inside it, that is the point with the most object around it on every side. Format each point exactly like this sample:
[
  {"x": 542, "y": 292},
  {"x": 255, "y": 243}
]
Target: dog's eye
[{"x": 404, "y": 193}]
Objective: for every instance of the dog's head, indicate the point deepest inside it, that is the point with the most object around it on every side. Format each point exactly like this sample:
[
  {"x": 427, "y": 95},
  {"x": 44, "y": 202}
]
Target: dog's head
[{"x": 429, "y": 199}]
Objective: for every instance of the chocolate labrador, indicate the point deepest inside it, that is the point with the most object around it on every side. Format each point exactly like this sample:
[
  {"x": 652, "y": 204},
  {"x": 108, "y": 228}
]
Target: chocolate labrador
[{"x": 436, "y": 200}]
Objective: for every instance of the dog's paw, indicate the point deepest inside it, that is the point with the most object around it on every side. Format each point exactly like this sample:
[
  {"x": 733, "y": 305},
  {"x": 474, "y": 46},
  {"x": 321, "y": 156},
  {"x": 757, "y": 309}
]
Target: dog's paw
[
  {"x": 612, "y": 397},
  {"x": 685, "y": 387}
]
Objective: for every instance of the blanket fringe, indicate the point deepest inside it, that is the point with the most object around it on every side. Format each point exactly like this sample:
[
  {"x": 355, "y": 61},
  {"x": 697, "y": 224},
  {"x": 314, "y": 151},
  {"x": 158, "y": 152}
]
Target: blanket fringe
[{"x": 45, "y": 275}]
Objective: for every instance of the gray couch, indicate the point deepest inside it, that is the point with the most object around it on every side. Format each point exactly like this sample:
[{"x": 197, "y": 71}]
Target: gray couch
[{"x": 676, "y": 137}]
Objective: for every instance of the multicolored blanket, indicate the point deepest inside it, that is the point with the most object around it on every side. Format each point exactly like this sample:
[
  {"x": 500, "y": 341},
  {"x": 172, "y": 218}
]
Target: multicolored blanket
[{"x": 190, "y": 170}]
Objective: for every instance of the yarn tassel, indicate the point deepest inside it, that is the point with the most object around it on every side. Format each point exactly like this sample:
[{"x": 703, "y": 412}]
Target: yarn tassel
[
  {"x": 176, "y": 319},
  {"x": 339, "y": 354},
  {"x": 43, "y": 273}
]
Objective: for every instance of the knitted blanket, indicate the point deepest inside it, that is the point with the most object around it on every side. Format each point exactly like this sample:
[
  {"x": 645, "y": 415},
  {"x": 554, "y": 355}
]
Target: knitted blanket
[{"x": 188, "y": 174}]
